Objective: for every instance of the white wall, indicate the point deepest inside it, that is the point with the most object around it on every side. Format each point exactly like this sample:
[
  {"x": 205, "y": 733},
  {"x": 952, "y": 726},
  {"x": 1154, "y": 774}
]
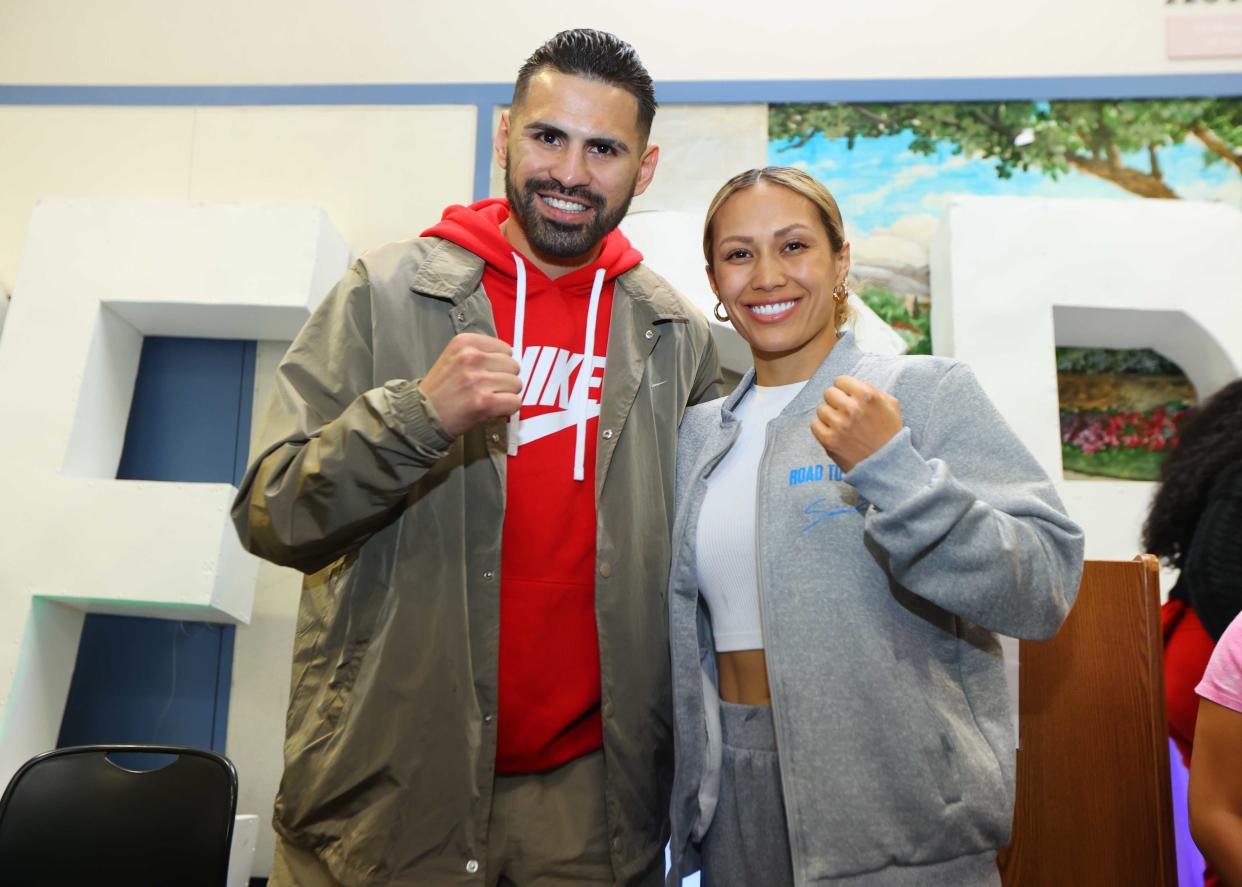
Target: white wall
[
  {"x": 447, "y": 41},
  {"x": 363, "y": 165},
  {"x": 381, "y": 172},
  {"x": 1086, "y": 273}
]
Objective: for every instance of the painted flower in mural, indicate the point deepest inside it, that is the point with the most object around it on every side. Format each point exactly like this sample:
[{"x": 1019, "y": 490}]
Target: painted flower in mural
[
  {"x": 1123, "y": 444},
  {"x": 1154, "y": 431},
  {"x": 1120, "y": 411}
]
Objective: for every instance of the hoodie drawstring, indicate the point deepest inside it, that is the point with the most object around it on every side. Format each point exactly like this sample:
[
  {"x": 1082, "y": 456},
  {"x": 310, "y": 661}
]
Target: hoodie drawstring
[
  {"x": 587, "y": 370},
  {"x": 581, "y": 400},
  {"x": 519, "y": 324}
]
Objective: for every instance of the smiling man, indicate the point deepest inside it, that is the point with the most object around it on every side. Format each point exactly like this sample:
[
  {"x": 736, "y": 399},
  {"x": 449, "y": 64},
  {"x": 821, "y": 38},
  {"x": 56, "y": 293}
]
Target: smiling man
[{"x": 471, "y": 458}]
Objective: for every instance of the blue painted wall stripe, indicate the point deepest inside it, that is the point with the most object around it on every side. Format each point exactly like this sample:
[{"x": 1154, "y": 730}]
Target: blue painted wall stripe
[
  {"x": 953, "y": 89},
  {"x": 483, "y": 150},
  {"x": 245, "y": 406},
  {"x": 224, "y": 686},
  {"x": 253, "y": 94},
  {"x": 675, "y": 92}
]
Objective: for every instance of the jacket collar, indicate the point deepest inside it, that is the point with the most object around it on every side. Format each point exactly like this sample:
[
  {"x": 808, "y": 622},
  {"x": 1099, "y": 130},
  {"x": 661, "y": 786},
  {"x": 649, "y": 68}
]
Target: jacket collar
[
  {"x": 452, "y": 272},
  {"x": 841, "y": 360},
  {"x": 652, "y": 293},
  {"x": 448, "y": 271}
]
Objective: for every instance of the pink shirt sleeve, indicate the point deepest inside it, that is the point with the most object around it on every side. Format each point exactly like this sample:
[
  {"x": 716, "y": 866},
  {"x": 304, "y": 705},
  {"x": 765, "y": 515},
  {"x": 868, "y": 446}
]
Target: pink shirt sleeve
[{"x": 1222, "y": 682}]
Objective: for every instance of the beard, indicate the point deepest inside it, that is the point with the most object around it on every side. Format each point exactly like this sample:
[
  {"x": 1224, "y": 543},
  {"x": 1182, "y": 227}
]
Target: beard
[{"x": 560, "y": 239}]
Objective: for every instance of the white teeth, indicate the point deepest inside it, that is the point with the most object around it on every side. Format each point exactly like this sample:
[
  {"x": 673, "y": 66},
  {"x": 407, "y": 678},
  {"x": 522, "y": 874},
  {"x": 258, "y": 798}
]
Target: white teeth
[
  {"x": 564, "y": 205},
  {"x": 774, "y": 308}
]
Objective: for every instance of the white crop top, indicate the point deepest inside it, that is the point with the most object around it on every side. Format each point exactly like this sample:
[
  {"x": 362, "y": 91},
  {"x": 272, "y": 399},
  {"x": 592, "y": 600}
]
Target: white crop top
[{"x": 727, "y": 572}]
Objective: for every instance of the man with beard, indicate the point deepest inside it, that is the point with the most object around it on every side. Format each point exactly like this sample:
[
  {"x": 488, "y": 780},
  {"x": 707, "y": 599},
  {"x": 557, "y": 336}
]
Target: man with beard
[{"x": 472, "y": 460}]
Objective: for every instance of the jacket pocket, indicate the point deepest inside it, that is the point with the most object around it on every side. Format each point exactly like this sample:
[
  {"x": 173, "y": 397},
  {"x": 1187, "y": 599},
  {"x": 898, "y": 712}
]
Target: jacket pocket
[
  {"x": 941, "y": 755},
  {"x": 334, "y": 641},
  {"x": 315, "y": 610},
  {"x": 340, "y": 685}
]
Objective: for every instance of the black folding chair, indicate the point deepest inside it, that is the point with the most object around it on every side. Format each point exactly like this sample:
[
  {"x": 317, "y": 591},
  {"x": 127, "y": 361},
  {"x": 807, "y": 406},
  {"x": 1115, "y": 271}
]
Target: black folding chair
[{"x": 100, "y": 815}]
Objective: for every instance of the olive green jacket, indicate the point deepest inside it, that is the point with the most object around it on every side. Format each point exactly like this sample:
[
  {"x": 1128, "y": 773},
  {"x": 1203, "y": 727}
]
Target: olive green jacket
[{"x": 391, "y": 736}]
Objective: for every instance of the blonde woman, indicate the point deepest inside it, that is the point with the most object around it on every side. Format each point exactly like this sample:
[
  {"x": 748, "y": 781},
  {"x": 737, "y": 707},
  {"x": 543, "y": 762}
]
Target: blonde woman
[{"x": 851, "y": 530}]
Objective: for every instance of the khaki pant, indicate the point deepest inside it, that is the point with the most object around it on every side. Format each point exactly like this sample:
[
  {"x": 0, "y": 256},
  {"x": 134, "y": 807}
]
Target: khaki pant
[{"x": 546, "y": 830}]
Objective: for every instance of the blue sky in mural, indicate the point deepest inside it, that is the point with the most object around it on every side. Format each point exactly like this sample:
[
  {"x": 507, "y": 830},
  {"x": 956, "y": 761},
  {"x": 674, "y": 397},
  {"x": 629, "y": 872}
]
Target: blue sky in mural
[{"x": 881, "y": 180}]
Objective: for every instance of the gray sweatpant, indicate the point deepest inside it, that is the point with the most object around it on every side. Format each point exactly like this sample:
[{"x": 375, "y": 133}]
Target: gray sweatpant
[
  {"x": 747, "y": 843},
  {"x": 748, "y": 840}
]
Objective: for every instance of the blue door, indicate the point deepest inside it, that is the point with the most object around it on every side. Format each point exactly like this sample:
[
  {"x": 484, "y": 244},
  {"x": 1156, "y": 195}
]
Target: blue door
[{"x": 163, "y": 681}]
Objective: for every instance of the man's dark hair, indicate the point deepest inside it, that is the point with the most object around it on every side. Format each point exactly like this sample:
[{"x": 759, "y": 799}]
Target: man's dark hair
[{"x": 594, "y": 55}]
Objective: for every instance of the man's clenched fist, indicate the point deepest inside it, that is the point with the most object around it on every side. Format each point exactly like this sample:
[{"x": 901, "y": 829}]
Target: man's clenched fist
[{"x": 474, "y": 379}]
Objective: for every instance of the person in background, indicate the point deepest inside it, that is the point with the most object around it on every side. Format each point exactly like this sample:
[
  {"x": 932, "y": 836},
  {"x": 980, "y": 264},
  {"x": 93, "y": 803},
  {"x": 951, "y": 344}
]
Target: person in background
[
  {"x": 1216, "y": 767},
  {"x": 472, "y": 444},
  {"x": 851, "y": 531},
  {"x": 1194, "y": 524}
]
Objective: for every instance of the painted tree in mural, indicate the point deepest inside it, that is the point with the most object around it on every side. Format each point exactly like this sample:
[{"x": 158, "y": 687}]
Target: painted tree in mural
[{"x": 1114, "y": 141}]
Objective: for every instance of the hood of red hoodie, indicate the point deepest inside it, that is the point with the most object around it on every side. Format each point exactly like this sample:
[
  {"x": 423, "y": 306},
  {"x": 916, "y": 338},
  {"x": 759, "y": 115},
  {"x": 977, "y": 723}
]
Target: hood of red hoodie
[{"x": 477, "y": 228}]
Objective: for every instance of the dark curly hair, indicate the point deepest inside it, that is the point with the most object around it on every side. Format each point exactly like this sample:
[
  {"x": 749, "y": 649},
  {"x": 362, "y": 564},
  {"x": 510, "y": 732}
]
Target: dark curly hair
[{"x": 1209, "y": 442}]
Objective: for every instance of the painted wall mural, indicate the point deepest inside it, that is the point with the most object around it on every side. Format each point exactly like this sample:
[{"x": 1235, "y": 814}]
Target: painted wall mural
[
  {"x": 1120, "y": 411},
  {"x": 894, "y": 167}
]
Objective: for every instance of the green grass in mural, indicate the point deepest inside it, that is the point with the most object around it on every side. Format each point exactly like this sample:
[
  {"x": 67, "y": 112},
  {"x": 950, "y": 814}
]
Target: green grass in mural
[
  {"x": 911, "y": 320},
  {"x": 1123, "y": 464}
]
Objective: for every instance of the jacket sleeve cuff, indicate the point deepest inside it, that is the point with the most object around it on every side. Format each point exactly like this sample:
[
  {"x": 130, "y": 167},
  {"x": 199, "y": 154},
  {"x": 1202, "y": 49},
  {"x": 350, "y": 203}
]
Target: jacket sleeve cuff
[
  {"x": 893, "y": 474},
  {"x": 417, "y": 419}
]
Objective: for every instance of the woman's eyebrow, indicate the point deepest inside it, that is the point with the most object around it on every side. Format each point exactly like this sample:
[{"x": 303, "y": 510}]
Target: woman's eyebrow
[{"x": 780, "y": 232}]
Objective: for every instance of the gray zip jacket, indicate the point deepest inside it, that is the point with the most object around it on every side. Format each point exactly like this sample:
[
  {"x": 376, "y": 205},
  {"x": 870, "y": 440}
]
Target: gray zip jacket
[
  {"x": 880, "y": 590},
  {"x": 391, "y": 743}
]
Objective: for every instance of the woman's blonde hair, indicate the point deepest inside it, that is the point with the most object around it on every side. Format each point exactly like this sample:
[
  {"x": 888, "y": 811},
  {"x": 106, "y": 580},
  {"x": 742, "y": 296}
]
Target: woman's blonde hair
[{"x": 798, "y": 182}]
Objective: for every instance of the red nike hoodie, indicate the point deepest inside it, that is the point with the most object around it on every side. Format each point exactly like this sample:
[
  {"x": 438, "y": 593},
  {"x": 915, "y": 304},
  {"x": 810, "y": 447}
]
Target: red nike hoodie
[{"x": 548, "y": 686}]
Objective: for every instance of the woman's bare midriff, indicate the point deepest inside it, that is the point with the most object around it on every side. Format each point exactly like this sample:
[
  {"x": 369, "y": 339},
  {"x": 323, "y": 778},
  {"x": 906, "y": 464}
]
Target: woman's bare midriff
[{"x": 743, "y": 677}]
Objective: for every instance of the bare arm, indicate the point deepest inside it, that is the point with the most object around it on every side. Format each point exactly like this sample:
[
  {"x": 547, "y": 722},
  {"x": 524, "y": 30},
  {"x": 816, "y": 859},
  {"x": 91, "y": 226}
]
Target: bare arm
[{"x": 1216, "y": 789}]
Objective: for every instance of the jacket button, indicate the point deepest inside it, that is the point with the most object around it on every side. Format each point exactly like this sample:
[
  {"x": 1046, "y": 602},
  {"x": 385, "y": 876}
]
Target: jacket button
[
  {"x": 608, "y": 709},
  {"x": 650, "y": 334},
  {"x": 472, "y": 866},
  {"x": 461, "y": 318},
  {"x": 607, "y": 434},
  {"x": 487, "y": 718},
  {"x": 605, "y": 569},
  {"x": 495, "y": 437},
  {"x": 488, "y": 574}
]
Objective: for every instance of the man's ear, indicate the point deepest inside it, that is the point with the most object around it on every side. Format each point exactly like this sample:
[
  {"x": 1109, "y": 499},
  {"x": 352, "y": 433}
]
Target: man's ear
[
  {"x": 501, "y": 142},
  {"x": 646, "y": 168}
]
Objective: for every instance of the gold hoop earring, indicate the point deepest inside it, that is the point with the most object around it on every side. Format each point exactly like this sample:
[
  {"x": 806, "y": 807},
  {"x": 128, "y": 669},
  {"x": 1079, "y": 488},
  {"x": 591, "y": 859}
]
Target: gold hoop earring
[
  {"x": 720, "y": 313},
  {"x": 840, "y": 294}
]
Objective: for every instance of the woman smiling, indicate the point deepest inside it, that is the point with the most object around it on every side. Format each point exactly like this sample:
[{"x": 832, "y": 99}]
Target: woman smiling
[{"x": 851, "y": 531}]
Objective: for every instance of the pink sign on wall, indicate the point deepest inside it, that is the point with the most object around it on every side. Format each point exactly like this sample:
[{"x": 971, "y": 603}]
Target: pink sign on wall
[{"x": 1203, "y": 37}]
